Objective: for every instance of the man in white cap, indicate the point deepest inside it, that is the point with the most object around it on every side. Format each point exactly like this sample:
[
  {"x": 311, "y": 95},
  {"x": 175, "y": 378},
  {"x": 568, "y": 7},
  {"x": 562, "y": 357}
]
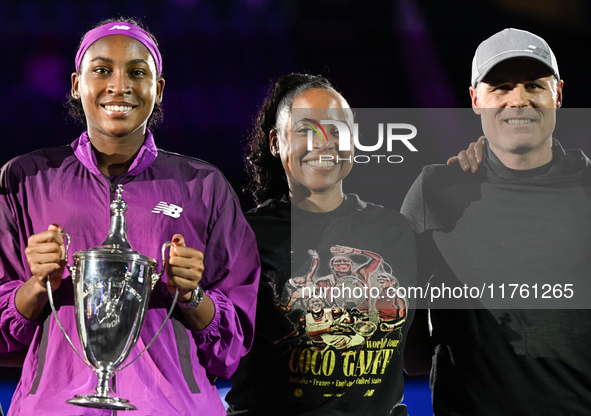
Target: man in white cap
[{"x": 523, "y": 219}]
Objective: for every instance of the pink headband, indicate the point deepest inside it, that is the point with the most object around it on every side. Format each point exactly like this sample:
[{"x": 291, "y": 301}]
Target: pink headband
[{"x": 119, "y": 28}]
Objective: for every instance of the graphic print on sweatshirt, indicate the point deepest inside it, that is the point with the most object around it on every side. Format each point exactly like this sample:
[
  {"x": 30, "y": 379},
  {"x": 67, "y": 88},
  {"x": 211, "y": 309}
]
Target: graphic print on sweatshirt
[{"x": 347, "y": 324}]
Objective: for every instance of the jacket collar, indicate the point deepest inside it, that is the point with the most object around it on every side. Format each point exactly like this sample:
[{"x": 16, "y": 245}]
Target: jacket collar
[
  {"x": 564, "y": 164},
  {"x": 148, "y": 152}
]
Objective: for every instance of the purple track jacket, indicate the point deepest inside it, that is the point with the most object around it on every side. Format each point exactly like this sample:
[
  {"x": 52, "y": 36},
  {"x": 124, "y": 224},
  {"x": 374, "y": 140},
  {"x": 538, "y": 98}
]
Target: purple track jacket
[{"x": 167, "y": 193}]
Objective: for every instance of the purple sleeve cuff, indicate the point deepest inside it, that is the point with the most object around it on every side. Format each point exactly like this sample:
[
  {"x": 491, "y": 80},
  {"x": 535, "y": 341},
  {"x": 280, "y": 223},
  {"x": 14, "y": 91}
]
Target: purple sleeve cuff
[
  {"x": 221, "y": 343},
  {"x": 212, "y": 329},
  {"x": 16, "y": 331},
  {"x": 14, "y": 312}
]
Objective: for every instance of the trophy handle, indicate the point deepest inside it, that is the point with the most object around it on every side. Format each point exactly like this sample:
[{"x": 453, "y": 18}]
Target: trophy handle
[
  {"x": 155, "y": 278},
  {"x": 67, "y": 246},
  {"x": 50, "y": 296}
]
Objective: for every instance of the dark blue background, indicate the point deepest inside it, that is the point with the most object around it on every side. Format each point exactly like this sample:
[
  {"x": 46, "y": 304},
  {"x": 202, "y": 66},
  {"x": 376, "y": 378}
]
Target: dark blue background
[{"x": 219, "y": 57}]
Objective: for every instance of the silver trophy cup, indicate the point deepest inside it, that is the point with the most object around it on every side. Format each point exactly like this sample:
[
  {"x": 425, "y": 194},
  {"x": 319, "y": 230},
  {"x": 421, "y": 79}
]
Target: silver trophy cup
[{"x": 112, "y": 287}]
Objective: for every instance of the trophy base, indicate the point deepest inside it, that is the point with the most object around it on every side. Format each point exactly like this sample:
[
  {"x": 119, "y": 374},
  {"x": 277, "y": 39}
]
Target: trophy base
[{"x": 101, "y": 402}]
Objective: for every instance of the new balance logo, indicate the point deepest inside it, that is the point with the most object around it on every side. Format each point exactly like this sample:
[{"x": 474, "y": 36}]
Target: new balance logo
[
  {"x": 121, "y": 27},
  {"x": 171, "y": 210}
]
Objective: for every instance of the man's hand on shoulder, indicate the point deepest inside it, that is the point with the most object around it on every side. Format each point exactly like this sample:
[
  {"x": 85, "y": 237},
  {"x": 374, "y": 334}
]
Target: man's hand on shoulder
[{"x": 470, "y": 159}]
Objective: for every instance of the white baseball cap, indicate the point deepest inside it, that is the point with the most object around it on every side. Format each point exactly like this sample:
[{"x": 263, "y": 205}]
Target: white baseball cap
[{"x": 511, "y": 44}]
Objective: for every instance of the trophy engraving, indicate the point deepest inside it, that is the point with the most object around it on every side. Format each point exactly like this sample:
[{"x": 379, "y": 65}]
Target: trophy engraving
[{"x": 112, "y": 287}]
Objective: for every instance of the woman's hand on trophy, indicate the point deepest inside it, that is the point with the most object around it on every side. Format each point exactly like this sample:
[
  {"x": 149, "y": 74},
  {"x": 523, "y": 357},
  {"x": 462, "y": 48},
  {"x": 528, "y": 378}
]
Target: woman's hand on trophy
[
  {"x": 45, "y": 254},
  {"x": 183, "y": 270}
]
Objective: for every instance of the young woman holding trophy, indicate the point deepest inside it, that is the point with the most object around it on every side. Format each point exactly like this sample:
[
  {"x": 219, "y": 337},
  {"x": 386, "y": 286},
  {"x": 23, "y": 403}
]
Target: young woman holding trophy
[{"x": 117, "y": 91}]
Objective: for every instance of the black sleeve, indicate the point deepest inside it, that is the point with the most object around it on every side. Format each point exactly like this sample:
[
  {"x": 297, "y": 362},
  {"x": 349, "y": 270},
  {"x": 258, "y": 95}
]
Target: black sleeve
[{"x": 413, "y": 207}]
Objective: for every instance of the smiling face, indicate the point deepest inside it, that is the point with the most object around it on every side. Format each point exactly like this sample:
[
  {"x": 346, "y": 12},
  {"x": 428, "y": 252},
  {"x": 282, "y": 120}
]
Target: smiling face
[
  {"x": 315, "y": 305},
  {"x": 307, "y": 175},
  {"x": 341, "y": 265},
  {"x": 118, "y": 86},
  {"x": 384, "y": 282},
  {"x": 517, "y": 102}
]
